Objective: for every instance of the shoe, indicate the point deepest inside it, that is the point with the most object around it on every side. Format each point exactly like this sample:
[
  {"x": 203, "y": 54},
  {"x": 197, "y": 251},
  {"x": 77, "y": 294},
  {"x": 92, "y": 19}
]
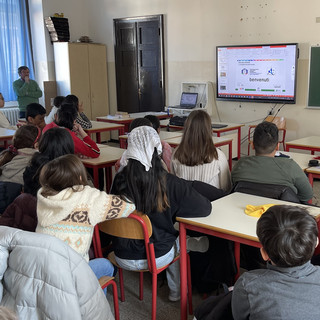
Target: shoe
[
  {"x": 173, "y": 297},
  {"x": 198, "y": 244}
]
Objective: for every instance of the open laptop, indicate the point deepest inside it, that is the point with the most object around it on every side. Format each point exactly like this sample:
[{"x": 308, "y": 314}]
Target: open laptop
[{"x": 188, "y": 100}]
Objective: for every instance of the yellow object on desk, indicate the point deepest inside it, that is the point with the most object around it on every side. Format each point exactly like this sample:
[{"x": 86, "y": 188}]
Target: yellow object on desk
[{"x": 257, "y": 211}]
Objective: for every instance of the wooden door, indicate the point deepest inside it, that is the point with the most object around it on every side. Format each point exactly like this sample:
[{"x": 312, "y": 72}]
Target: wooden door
[{"x": 139, "y": 64}]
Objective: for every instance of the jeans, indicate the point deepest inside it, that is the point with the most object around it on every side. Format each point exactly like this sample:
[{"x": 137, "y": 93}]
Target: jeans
[
  {"x": 101, "y": 267},
  {"x": 172, "y": 272}
]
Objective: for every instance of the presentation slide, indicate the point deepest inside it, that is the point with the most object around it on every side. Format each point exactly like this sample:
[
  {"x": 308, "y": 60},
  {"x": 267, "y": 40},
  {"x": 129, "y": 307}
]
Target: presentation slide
[{"x": 257, "y": 72}]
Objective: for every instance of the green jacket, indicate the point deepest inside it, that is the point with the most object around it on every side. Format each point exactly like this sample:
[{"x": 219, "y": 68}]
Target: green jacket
[
  {"x": 276, "y": 170},
  {"x": 26, "y": 93}
]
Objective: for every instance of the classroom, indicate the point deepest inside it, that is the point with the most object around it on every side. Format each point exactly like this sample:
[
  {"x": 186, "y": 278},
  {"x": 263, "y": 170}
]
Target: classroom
[{"x": 191, "y": 32}]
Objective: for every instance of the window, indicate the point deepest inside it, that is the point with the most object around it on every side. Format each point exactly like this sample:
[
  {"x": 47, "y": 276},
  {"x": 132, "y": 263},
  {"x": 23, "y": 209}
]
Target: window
[{"x": 15, "y": 45}]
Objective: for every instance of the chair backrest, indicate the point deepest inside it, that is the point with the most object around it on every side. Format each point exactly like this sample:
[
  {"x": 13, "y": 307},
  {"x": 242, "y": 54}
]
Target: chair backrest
[
  {"x": 280, "y": 122},
  {"x": 272, "y": 191},
  {"x": 136, "y": 226}
]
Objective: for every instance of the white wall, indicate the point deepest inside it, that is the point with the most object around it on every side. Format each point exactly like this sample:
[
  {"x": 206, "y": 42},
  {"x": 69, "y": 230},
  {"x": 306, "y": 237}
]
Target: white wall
[{"x": 192, "y": 31}]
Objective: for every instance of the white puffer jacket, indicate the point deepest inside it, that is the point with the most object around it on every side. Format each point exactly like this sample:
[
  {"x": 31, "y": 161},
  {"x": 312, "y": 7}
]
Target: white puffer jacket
[{"x": 43, "y": 278}]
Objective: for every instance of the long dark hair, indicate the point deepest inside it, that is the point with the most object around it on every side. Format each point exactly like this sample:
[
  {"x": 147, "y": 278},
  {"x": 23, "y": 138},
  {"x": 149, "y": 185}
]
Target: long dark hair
[
  {"x": 196, "y": 145},
  {"x": 146, "y": 189}
]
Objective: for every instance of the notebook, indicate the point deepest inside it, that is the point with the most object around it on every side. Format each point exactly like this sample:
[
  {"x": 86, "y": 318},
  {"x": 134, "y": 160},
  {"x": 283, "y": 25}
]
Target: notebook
[{"x": 188, "y": 100}]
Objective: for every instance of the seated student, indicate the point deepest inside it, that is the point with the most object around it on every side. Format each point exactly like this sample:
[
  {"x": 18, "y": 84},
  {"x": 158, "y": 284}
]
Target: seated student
[
  {"x": 4, "y": 123},
  {"x": 56, "y": 105},
  {"x": 14, "y": 160},
  {"x": 82, "y": 119},
  {"x": 162, "y": 197},
  {"x": 166, "y": 149},
  {"x": 35, "y": 114},
  {"x": 196, "y": 157},
  {"x": 54, "y": 143},
  {"x": 290, "y": 286},
  {"x": 264, "y": 167},
  {"x": 69, "y": 209},
  {"x": 84, "y": 146}
]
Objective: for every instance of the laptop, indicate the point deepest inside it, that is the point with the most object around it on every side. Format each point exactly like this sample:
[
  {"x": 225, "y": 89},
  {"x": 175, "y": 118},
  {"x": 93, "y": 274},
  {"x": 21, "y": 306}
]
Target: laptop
[{"x": 188, "y": 100}]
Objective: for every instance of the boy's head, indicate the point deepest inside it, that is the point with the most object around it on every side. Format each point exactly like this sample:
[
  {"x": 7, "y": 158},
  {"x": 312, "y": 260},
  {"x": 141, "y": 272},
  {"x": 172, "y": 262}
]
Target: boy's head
[
  {"x": 57, "y": 101},
  {"x": 288, "y": 235},
  {"x": 35, "y": 114},
  {"x": 265, "y": 138},
  {"x": 154, "y": 121}
]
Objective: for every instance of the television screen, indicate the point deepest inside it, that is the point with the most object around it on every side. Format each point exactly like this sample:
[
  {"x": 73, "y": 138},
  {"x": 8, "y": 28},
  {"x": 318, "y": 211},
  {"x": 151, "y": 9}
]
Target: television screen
[{"x": 259, "y": 73}]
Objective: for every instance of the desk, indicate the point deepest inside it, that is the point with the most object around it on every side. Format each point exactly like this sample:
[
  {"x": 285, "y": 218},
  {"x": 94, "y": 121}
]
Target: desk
[
  {"x": 126, "y": 121},
  {"x": 301, "y": 159},
  {"x": 228, "y": 221},
  {"x": 218, "y": 142},
  {"x": 217, "y": 131},
  {"x": 108, "y": 157},
  {"x": 309, "y": 143},
  {"x": 98, "y": 127},
  {"x": 6, "y": 135},
  {"x": 163, "y": 136}
]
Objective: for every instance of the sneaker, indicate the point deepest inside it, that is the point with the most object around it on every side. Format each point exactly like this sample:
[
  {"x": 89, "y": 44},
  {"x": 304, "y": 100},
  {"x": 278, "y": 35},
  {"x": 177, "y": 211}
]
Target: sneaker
[
  {"x": 173, "y": 297},
  {"x": 198, "y": 244}
]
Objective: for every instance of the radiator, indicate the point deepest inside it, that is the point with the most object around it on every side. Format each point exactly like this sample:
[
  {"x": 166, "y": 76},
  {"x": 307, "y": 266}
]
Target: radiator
[{"x": 12, "y": 114}]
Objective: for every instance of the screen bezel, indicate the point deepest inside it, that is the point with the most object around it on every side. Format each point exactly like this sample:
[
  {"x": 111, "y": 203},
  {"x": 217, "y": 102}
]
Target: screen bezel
[{"x": 254, "y": 99}]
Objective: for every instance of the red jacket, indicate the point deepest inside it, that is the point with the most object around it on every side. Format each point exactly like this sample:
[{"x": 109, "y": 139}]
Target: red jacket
[{"x": 86, "y": 147}]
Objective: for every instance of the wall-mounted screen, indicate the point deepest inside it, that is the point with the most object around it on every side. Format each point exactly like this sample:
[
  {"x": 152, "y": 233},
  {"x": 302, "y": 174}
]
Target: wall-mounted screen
[{"x": 259, "y": 73}]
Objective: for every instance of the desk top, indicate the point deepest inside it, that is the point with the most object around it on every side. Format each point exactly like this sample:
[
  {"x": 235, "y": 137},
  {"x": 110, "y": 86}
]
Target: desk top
[
  {"x": 301, "y": 159},
  {"x": 97, "y": 125},
  {"x": 227, "y": 215},
  {"x": 6, "y": 133},
  {"x": 177, "y": 140},
  {"x": 107, "y": 155},
  {"x": 309, "y": 142}
]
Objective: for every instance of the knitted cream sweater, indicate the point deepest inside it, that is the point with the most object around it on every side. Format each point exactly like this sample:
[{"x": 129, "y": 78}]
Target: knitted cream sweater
[{"x": 71, "y": 215}]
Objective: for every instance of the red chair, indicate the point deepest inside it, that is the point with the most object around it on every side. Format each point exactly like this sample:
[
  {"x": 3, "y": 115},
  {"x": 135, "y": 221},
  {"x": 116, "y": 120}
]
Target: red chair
[
  {"x": 280, "y": 122},
  {"x": 137, "y": 226},
  {"x": 104, "y": 282}
]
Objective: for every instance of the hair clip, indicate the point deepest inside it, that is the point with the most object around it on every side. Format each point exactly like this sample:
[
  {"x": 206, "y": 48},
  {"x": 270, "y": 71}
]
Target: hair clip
[{"x": 13, "y": 149}]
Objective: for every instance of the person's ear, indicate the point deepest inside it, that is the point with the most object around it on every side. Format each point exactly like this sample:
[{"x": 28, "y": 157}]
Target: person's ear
[
  {"x": 264, "y": 254},
  {"x": 30, "y": 120}
]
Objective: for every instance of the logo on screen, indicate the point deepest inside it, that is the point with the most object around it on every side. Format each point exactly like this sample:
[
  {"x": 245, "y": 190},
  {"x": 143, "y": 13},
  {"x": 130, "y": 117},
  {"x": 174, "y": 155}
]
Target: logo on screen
[{"x": 244, "y": 71}]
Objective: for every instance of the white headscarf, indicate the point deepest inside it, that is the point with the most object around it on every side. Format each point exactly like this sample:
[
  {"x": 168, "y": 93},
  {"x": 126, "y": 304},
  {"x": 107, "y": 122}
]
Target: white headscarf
[{"x": 141, "y": 144}]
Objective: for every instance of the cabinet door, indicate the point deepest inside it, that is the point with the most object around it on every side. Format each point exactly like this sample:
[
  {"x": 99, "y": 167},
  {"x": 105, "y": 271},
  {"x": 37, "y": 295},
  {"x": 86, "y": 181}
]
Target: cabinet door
[
  {"x": 79, "y": 74},
  {"x": 98, "y": 80}
]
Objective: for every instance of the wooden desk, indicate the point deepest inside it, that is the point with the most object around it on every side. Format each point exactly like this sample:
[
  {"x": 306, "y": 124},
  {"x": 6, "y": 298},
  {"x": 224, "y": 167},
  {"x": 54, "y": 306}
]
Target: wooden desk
[
  {"x": 163, "y": 136},
  {"x": 98, "y": 127},
  {"x": 228, "y": 221},
  {"x": 309, "y": 143},
  {"x": 108, "y": 157},
  {"x": 126, "y": 121},
  {"x": 6, "y": 135},
  {"x": 217, "y": 131},
  {"x": 301, "y": 159},
  {"x": 218, "y": 142}
]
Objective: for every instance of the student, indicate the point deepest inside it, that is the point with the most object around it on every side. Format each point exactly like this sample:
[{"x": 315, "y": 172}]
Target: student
[
  {"x": 166, "y": 149},
  {"x": 162, "y": 197},
  {"x": 68, "y": 208},
  {"x": 35, "y": 114},
  {"x": 82, "y": 119},
  {"x": 4, "y": 123},
  {"x": 264, "y": 167},
  {"x": 83, "y": 145},
  {"x": 27, "y": 90},
  {"x": 290, "y": 286},
  {"x": 54, "y": 143},
  {"x": 14, "y": 160},
  {"x": 196, "y": 158},
  {"x": 57, "y": 101}
]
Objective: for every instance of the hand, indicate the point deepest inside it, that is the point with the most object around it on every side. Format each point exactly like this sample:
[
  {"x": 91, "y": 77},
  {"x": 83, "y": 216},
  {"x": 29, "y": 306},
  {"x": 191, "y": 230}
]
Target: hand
[
  {"x": 26, "y": 79},
  {"x": 78, "y": 130}
]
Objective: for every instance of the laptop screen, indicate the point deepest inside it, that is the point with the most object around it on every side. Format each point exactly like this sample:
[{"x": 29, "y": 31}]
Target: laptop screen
[{"x": 188, "y": 99}]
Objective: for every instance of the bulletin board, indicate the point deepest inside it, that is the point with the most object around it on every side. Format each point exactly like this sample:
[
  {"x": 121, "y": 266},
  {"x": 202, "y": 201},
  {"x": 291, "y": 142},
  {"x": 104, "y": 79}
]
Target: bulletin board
[{"x": 314, "y": 78}]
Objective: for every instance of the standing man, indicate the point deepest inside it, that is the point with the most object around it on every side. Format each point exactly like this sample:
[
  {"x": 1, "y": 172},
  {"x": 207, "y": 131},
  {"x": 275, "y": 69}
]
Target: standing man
[{"x": 27, "y": 90}]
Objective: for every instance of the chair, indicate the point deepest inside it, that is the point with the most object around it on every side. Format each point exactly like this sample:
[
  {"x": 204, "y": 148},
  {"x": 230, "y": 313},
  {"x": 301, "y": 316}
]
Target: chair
[
  {"x": 280, "y": 122},
  {"x": 137, "y": 226},
  {"x": 104, "y": 282}
]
